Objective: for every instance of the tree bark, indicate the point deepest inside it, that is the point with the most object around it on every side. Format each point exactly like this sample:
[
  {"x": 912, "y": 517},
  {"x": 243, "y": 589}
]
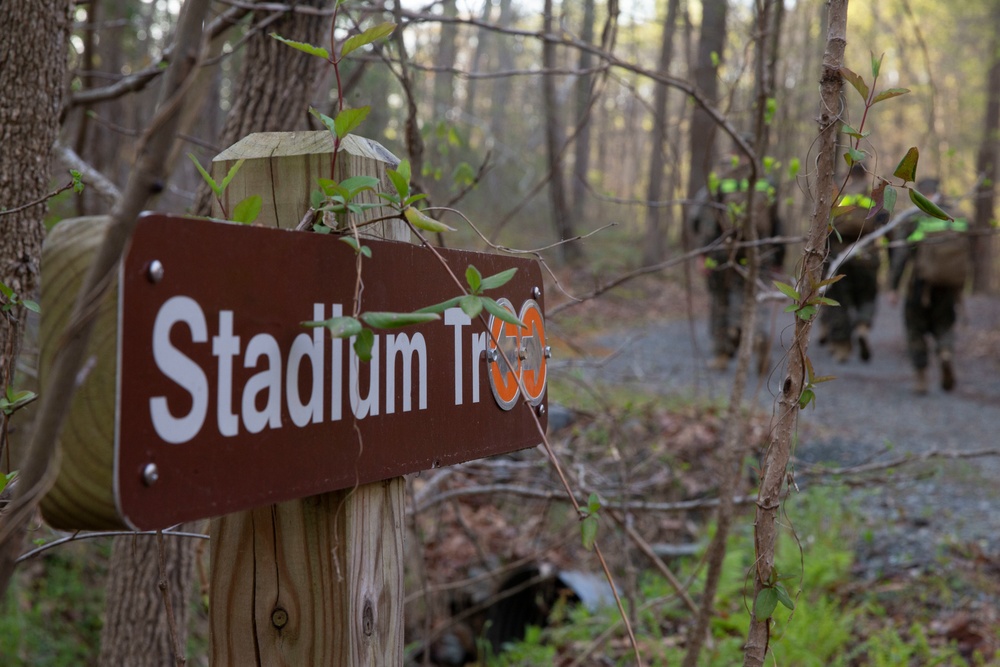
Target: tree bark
[
  {"x": 775, "y": 464},
  {"x": 986, "y": 170},
  {"x": 32, "y": 74},
  {"x": 654, "y": 249},
  {"x": 584, "y": 87},
  {"x": 275, "y": 83},
  {"x": 710, "y": 47},
  {"x": 554, "y": 140}
]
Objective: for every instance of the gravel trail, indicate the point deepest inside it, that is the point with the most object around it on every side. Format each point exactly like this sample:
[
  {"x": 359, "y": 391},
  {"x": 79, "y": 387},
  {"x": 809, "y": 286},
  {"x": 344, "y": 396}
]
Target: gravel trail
[{"x": 869, "y": 413}]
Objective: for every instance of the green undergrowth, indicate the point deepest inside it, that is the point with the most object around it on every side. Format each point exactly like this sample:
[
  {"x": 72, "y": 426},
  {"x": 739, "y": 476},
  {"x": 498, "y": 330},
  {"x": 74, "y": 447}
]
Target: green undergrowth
[{"x": 834, "y": 623}]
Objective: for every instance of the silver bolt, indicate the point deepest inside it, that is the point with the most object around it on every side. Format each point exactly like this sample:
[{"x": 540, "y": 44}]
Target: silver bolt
[
  {"x": 536, "y": 292},
  {"x": 155, "y": 271},
  {"x": 492, "y": 355},
  {"x": 150, "y": 474},
  {"x": 540, "y": 410},
  {"x": 547, "y": 351}
]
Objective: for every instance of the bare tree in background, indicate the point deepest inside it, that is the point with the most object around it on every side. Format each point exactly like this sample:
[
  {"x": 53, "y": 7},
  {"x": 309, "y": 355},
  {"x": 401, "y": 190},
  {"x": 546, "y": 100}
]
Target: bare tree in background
[
  {"x": 654, "y": 248},
  {"x": 582, "y": 104},
  {"x": 554, "y": 139},
  {"x": 711, "y": 41},
  {"x": 986, "y": 169}
]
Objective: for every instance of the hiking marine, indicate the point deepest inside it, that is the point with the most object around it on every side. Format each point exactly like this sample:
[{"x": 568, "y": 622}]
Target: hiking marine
[
  {"x": 717, "y": 224},
  {"x": 937, "y": 254},
  {"x": 857, "y": 291}
]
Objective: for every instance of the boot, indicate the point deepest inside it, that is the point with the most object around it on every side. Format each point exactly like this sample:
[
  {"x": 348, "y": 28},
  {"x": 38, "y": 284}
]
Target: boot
[
  {"x": 920, "y": 383},
  {"x": 864, "y": 348},
  {"x": 762, "y": 346},
  {"x": 947, "y": 371},
  {"x": 719, "y": 362},
  {"x": 841, "y": 351}
]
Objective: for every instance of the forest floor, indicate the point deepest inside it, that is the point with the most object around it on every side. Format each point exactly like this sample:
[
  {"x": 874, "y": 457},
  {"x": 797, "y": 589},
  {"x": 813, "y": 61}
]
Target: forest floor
[{"x": 922, "y": 468}]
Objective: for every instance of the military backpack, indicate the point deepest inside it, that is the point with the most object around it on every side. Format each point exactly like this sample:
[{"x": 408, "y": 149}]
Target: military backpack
[{"x": 942, "y": 255}]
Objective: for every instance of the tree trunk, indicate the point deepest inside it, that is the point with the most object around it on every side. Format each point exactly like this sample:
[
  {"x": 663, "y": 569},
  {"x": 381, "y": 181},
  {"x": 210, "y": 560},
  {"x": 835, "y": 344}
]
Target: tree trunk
[
  {"x": 710, "y": 47},
  {"x": 570, "y": 252},
  {"x": 444, "y": 81},
  {"x": 986, "y": 170},
  {"x": 275, "y": 83},
  {"x": 655, "y": 248},
  {"x": 775, "y": 462},
  {"x": 32, "y": 78},
  {"x": 584, "y": 85}
]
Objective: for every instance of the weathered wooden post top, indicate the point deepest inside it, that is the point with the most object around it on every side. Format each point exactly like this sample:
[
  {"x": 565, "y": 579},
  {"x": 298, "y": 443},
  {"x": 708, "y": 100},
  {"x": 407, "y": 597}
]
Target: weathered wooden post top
[{"x": 205, "y": 395}]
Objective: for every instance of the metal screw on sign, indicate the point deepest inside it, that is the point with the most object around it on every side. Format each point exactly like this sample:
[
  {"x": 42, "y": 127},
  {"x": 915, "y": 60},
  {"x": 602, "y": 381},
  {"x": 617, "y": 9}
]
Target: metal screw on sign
[
  {"x": 150, "y": 474},
  {"x": 155, "y": 271},
  {"x": 536, "y": 292}
]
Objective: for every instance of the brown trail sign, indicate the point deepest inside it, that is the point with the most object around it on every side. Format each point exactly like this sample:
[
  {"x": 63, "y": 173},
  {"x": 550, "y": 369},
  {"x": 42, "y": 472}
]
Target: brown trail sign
[
  {"x": 205, "y": 396},
  {"x": 227, "y": 402}
]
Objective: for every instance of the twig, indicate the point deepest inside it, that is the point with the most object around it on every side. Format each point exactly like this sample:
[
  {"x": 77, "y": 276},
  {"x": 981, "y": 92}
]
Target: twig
[
  {"x": 80, "y": 535},
  {"x": 41, "y": 200},
  {"x": 179, "y": 658}
]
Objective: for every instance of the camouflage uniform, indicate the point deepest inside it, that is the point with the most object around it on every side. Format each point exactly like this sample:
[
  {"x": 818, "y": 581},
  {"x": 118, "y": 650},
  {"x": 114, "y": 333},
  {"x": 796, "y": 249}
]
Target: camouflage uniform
[
  {"x": 717, "y": 222},
  {"x": 857, "y": 291},
  {"x": 928, "y": 309}
]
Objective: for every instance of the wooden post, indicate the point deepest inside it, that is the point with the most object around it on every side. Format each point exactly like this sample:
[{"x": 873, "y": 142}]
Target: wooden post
[{"x": 317, "y": 581}]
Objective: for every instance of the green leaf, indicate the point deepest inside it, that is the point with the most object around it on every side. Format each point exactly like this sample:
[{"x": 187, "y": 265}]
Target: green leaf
[
  {"x": 498, "y": 311},
  {"x": 316, "y": 199},
  {"x": 381, "y": 320},
  {"x": 327, "y": 122},
  {"x": 889, "y": 199},
  {"x": 588, "y": 532},
  {"x": 593, "y": 503},
  {"x": 207, "y": 177},
  {"x": 907, "y": 167},
  {"x": 443, "y": 306},
  {"x": 348, "y": 119},
  {"x": 889, "y": 93},
  {"x": 876, "y": 65},
  {"x": 825, "y": 300},
  {"x": 420, "y": 220},
  {"x": 367, "y": 37},
  {"x": 471, "y": 305},
  {"x": 356, "y": 184},
  {"x": 363, "y": 344},
  {"x": 247, "y": 210},
  {"x": 764, "y": 605},
  {"x": 305, "y": 48},
  {"x": 6, "y": 291},
  {"x": 7, "y": 479},
  {"x": 784, "y": 598},
  {"x": 807, "y": 397},
  {"x": 927, "y": 206},
  {"x": 31, "y": 305},
  {"x": 358, "y": 248},
  {"x": 474, "y": 279},
  {"x": 231, "y": 174},
  {"x": 806, "y": 312},
  {"x": 853, "y": 155},
  {"x": 339, "y": 327},
  {"x": 413, "y": 198},
  {"x": 787, "y": 290},
  {"x": 400, "y": 177},
  {"x": 498, "y": 279},
  {"x": 855, "y": 80}
]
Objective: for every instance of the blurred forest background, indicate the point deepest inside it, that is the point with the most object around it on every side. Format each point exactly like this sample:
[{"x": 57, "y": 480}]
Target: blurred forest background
[
  {"x": 541, "y": 121},
  {"x": 567, "y": 135}
]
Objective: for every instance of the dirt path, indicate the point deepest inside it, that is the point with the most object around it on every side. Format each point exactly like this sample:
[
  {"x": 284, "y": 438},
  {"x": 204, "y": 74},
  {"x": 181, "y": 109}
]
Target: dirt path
[{"x": 869, "y": 413}]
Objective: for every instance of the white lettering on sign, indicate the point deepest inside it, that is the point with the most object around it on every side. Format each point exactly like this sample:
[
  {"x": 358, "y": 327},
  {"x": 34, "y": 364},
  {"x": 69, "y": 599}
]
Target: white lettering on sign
[
  {"x": 180, "y": 369},
  {"x": 277, "y": 388}
]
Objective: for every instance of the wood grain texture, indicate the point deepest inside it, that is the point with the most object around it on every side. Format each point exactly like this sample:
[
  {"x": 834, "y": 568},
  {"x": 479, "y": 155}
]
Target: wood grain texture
[
  {"x": 317, "y": 581},
  {"x": 83, "y": 494}
]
